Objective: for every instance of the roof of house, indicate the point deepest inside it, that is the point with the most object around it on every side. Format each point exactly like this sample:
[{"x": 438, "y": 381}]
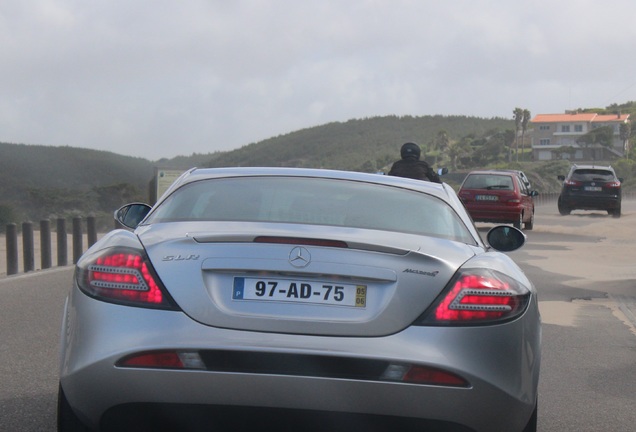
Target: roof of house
[{"x": 579, "y": 117}]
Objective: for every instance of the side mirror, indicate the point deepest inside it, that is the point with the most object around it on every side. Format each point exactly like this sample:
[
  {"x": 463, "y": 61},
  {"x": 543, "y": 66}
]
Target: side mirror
[
  {"x": 561, "y": 177},
  {"x": 442, "y": 171},
  {"x": 131, "y": 215},
  {"x": 534, "y": 193},
  {"x": 505, "y": 238}
]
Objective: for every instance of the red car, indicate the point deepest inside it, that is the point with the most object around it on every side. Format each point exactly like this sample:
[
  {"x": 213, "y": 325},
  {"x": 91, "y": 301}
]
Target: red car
[{"x": 498, "y": 197}]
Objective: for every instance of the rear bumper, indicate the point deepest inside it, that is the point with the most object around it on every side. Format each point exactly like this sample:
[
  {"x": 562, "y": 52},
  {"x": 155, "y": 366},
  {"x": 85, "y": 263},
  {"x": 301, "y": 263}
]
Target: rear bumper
[
  {"x": 495, "y": 214},
  {"x": 588, "y": 202},
  {"x": 501, "y": 363}
]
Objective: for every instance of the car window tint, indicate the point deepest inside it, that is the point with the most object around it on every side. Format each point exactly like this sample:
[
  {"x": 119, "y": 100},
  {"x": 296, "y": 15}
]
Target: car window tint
[
  {"x": 488, "y": 181},
  {"x": 313, "y": 201},
  {"x": 592, "y": 175}
]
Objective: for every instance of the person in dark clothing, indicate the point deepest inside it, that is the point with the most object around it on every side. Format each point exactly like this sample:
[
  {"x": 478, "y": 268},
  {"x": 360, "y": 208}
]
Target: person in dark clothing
[{"x": 411, "y": 166}]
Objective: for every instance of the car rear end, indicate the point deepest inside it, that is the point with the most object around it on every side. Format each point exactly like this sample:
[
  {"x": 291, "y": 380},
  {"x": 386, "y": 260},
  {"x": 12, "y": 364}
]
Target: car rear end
[
  {"x": 492, "y": 197},
  {"x": 329, "y": 317},
  {"x": 592, "y": 189}
]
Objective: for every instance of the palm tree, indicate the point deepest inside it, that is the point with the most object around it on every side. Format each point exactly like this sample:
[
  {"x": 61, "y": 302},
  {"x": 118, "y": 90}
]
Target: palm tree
[
  {"x": 524, "y": 127},
  {"x": 518, "y": 116},
  {"x": 625, "y": 131},
  {"x": 442, "y": 141},
  {"x": 458, "y": 149}
]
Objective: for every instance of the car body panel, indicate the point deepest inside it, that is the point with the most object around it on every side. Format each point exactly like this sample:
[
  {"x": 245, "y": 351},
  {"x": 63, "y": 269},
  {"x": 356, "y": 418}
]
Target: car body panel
[
  {"x": 496, "y": 196},
  {"x": 590, "y": 187},
  {"x": 209, "y": 269},
  {"x": 505, "y": 384},
  {"x": 406, "y": 271}
]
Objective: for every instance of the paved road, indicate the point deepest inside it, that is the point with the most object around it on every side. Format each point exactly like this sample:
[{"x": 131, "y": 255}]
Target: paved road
[
  {"x": 583, "y": 266},
  {"x": 587, "y": 288},
  {"x": 30, "y": 319}
]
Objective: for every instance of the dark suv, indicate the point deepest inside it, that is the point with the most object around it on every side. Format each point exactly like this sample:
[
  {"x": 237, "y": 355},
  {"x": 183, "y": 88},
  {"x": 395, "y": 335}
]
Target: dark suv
[{"x": 590, "y": 187}]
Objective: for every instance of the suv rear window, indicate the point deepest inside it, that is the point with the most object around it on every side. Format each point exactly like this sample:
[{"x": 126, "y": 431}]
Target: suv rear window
[{"x": 592, "y": 175}]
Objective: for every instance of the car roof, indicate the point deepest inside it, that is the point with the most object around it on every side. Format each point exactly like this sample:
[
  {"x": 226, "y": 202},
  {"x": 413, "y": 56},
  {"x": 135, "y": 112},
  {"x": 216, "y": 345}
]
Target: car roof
[
  {"x": 497, "y": 172},
  {"x": 607, "y": 167}
]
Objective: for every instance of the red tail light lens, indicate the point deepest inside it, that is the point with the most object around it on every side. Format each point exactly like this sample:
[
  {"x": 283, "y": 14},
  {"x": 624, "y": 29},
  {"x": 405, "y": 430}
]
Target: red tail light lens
[
  {"x": 122, "y": 276},
  {"x": 420, "y": 374},
  {"x": 170, "y": 359},
  {"x": 614, "y": 184},
  {"x": 572, "y": 183},
  {"x": 479, "y": 296}
]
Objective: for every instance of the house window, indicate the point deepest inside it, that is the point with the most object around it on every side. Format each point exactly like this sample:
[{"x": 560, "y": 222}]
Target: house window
[
  {"x": 578, "y": 128},
  {"x": 565, "y": 128},
  {"x": 544, "y": 141},
  {"x": 544, "y": 127}
]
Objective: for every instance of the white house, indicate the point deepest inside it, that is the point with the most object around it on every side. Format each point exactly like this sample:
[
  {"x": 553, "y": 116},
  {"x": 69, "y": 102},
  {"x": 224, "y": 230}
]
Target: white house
[{"x": 555, "y": 136}]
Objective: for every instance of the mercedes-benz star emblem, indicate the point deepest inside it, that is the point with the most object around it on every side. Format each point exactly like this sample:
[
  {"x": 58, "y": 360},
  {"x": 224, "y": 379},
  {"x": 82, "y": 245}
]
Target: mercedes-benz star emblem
[{"x": 299, "y": 257}]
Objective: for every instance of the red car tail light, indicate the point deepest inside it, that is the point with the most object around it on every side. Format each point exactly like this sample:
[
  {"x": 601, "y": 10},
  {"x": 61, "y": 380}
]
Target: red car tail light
[
  {"x": 169, "y": 359},
  {"x": 122, "y": 276},
  {"x": 419, "y": 374},
  {"x": 614, "y": 184},
  {"x": 478, "y": 296},
  {"x": 572, "y": 183}
]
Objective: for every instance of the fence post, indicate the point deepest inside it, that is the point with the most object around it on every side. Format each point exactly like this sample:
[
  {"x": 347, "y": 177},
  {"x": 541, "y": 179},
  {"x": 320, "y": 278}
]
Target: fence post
[
  {"x": 12, "y": 249},
  {"x": 28, "y": 252},
  {"x": 62, "y": 257},
  {"x": 91, "y": 228},
  {"x": 45, "y": 243},
  {"x": 77, "y": 238}
]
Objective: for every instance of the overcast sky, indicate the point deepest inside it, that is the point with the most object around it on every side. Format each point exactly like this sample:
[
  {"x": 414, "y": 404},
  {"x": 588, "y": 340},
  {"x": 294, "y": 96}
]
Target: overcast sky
[{"x": 161, "y": 78}]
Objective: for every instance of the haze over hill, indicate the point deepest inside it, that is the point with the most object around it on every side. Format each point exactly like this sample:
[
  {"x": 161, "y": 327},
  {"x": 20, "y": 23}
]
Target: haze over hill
[{"x": 39, "y": 182}]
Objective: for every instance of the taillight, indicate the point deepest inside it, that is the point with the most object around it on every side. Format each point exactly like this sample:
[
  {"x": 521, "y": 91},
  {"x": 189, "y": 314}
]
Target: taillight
[
  {"x": 122, "y": 275},
  {"x": 169, "y": 359},
  {"x": 478, "y": 296},
  {"x": 419, "y": 374},
  {"x": 614, "y": 184},
  {"x": 572, "y": 183}
]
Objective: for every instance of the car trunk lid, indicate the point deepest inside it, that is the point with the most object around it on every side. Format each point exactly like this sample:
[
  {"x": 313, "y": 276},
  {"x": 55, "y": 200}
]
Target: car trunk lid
[{"x": 323, "y": 281}]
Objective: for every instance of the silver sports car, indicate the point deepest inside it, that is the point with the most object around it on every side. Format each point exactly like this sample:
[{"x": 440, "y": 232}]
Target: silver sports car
[{"x": 298, "y": 299}]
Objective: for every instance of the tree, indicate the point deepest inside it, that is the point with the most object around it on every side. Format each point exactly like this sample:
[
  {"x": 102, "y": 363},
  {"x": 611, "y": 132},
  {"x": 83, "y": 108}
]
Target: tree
[
  {"x": 459, "y": 149},
  {"x": 625, "y": 131},
  {"x": 600, "y": 136},
  {"x": 442, "y": 141},
  {"x": 524, "y": 127},
  {"x": 517, "y": 114}
]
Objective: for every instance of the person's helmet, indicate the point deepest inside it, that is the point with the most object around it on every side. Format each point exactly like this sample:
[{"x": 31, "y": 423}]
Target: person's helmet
[{"x": 410, "y": 151}]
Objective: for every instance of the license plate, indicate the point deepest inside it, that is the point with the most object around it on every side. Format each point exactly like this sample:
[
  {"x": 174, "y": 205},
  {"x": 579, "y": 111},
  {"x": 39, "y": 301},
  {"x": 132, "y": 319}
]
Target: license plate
[
  {"x": 593, "y": 188},
  {"x": 298, "y": 291},
  {"x": 486, "y": 197}
]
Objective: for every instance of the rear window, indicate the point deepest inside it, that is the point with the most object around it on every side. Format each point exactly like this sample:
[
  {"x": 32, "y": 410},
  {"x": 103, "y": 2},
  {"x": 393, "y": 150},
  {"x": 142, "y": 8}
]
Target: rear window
[
  {"x": 488, "y": 182},
  {"x": 313, "y": 201},
  {"x": 592, "y": 175}
]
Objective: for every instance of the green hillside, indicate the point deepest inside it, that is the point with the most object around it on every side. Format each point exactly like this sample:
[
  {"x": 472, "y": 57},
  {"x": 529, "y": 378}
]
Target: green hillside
[
  {"x": 362, "y": 145},
  {"x": 43, "y": 182}
]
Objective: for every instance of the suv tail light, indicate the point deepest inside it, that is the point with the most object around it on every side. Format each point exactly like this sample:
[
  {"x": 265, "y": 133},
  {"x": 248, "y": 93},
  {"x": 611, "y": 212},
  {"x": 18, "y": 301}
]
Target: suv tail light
[
  {"x": 614, "y": 184},
  {"x": 478, "y": 296},
  {"x": 572, "y": 183},
  {"x": 124, "y": 276}
]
